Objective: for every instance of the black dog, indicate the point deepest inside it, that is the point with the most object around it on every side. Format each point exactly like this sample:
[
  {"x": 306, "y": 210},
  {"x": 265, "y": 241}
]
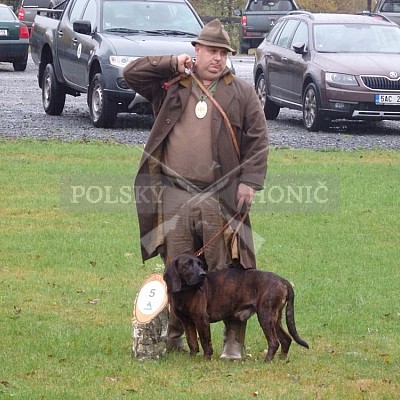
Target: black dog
[{"x": 199, "y": 298}]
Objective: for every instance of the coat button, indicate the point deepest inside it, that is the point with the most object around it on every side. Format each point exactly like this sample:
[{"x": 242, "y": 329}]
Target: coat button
[{"x": 168, "y": 121}]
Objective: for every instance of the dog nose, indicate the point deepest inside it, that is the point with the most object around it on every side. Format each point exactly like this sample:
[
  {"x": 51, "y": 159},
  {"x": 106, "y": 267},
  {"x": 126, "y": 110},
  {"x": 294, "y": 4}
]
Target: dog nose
[{"x": 202, "y": 274}]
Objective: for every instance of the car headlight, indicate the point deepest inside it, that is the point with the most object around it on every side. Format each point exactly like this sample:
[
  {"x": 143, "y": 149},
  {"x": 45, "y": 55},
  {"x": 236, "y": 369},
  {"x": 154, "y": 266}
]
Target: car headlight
[
  {"x": 341, "y": 79},
  {"x": 121, "y": 61}
]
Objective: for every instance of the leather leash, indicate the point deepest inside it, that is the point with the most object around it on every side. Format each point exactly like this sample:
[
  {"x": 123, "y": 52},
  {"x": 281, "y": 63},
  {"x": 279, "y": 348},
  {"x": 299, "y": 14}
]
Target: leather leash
[{"x": 243, "y": 217}]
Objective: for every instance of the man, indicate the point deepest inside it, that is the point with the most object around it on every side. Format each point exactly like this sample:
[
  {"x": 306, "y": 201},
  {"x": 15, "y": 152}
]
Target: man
[{"x": 205, "y": 171}]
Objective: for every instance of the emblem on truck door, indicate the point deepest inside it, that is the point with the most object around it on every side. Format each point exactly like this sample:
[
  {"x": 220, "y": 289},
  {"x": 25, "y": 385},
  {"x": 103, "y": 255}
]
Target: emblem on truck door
[{"x": 79, "y": 50}]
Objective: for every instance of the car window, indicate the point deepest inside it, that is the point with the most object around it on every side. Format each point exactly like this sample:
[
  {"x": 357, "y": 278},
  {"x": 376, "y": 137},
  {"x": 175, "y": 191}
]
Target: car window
[
  {"x": 90, "y": 11},
  {"x": 391, "y": 6},
  {"x": 36, "y": 3},
  {"x": 268, "y": 5},
  {"x": 286, "y": 33},
  {"x": 274, "y": 31},
  {"x": 356, "y": 38},
  {"x": 76, "y": 10},
  {"x": 6, "y": 14},
  {"x": 149, "y": 15},
  {"x": 301, "y": 35}
]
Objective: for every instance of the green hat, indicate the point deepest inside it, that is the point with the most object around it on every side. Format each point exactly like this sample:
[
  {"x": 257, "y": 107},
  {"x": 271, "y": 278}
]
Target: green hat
[{"x": 213, "y": 34}]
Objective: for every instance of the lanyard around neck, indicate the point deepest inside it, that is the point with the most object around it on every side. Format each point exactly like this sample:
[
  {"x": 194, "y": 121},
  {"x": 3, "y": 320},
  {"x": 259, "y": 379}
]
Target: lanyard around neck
[{"x": 224, "y": 116}]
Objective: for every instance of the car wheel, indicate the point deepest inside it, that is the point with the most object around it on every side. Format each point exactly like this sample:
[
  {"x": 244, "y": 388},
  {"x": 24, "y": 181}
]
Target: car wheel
[
  {"x": 244, "y": 48},
  {"x": 271, "y": 110},
  {"x": 313, "y": 119},
  {"x": 19, "y": 65},
  {"x": 53, "y": 92},
  {"x": 103, "y": 111}
]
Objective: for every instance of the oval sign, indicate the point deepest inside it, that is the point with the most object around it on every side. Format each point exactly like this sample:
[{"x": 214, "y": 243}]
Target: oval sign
[
  {"x": 79, "y": 50},
  {"x": 151, "y": 299}
]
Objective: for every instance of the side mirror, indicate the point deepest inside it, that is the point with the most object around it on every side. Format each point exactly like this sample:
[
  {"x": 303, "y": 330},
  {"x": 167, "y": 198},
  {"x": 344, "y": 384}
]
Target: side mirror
[
  {"x": 82, "y": 26},
  {"x": 299, "y": 48}
]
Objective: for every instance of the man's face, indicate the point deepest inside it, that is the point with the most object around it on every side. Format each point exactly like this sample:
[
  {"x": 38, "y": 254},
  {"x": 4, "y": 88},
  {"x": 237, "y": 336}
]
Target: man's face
[{"x": 210, "y": 61}]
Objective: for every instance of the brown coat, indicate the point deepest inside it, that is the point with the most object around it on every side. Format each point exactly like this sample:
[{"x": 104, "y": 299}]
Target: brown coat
[{"x": 239, "y": 100}]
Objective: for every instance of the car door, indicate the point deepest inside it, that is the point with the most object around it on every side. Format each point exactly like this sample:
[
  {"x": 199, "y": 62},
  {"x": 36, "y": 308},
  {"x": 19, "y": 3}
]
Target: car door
[
  {"x": 84, "y": 46},
  {"x": 277, "y": 67},
  {"x": 70, "y": 44},
  {"x": 296, "y": 64}
]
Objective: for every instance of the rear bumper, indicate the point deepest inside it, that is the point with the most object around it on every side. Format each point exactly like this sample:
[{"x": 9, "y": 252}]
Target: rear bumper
[
  {"x": 251, "y": 42},
  {"x": 11, "y": 50}
]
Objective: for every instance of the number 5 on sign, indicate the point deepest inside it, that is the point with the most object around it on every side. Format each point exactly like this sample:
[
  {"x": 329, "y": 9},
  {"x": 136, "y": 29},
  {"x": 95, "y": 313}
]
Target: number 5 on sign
[{"x": 151, "y": 299}]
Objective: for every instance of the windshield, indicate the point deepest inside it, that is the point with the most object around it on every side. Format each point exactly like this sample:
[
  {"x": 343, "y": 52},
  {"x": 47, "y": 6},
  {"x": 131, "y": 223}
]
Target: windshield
[
  {"x": 126, "y": 16},
  {"x": 271, "y": 5},
  {"x": 6, "y": 14},
  {"x": 356, "y": 38},
  {"x": 36, "y": 3}
]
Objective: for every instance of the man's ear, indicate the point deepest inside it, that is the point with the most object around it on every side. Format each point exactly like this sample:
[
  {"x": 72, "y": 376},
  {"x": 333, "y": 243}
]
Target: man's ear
[{"x": 172, "y": 278}]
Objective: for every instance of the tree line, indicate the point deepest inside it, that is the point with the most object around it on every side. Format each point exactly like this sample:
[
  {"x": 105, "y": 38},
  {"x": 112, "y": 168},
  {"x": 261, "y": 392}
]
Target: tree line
[{"x": 224, "y": 8}]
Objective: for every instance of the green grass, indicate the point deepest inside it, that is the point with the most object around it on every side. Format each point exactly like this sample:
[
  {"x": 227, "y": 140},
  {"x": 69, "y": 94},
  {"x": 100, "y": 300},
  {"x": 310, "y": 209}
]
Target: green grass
[{"x": 68, "y": 281}]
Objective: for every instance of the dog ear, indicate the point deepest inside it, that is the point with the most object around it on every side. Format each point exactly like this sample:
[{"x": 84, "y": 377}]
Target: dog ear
[{"x": 172, "y": 278}]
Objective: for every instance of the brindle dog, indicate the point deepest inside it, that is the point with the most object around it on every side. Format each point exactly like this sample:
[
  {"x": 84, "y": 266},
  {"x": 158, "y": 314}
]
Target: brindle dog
[{"x": 199, "y": 298}]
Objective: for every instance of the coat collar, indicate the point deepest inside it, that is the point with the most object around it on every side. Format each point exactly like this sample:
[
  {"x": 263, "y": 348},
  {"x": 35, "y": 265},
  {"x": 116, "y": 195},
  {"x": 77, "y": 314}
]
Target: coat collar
[{"x": 227, "y": 77}]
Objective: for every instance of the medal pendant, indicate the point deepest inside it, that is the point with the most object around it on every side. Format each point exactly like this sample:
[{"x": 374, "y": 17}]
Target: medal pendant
[{"x": 201, "y": 109}]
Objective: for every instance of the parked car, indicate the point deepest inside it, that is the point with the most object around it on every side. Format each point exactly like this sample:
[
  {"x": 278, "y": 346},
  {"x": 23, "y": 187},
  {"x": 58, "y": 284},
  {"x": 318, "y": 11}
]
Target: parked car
[
  {"x": 330, "y": 66},
  {"x": 14, "y": 39},
  {"x": 389, "y": 8},
  {"x": 99, "y": 38},
  {"x": 257, "y": 19},
  {"x": 28, "y": 10}
]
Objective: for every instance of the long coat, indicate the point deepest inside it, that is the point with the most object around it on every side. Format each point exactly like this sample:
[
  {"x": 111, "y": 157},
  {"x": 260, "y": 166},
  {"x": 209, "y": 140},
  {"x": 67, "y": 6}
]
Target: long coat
[{"x": 239, "y": 101}]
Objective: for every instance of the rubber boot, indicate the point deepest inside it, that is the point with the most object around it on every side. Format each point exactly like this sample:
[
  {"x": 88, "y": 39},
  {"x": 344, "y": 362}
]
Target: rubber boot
[
  {"x": 234, "y": 335},
  {"x": 174, "y": 333}
]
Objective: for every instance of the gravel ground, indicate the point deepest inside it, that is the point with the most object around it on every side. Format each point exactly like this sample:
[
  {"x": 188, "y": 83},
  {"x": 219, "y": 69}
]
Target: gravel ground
[{"x": 22, "y": 115}]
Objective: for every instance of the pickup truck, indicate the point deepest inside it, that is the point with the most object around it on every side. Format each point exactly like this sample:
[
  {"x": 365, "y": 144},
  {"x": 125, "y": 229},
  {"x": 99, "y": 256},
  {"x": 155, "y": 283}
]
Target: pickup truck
[
  {"x": 28, "y": 10},
  {"x": 83, "y": 48},
  {"x": 390, "y": 9},
  {"x": 257, "y": 19}
]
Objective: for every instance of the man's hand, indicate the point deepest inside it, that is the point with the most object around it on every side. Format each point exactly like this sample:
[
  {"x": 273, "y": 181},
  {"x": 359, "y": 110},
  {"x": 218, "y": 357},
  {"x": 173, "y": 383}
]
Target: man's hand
[
  {"x": 184, "y": 61},
  {"x": 244, "y": 195}
]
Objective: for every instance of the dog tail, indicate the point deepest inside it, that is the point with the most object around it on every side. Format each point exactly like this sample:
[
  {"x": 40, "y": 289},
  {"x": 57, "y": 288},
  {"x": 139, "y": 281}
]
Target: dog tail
[{"x": 290, "y": 322}]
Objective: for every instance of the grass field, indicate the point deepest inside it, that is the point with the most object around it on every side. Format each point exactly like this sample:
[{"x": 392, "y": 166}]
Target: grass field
[{"x": 68, "y": 281}]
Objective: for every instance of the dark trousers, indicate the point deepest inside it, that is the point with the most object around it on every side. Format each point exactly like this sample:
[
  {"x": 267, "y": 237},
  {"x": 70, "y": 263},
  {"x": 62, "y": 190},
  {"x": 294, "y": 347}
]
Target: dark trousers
[{"x": 191, "y": 221}]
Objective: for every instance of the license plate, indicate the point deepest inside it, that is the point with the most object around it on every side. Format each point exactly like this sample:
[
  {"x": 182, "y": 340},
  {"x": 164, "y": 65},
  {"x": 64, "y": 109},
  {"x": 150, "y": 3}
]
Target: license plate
[
  {"x": 3, "y": 32},
  {"x": 387, "y": 99}
]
